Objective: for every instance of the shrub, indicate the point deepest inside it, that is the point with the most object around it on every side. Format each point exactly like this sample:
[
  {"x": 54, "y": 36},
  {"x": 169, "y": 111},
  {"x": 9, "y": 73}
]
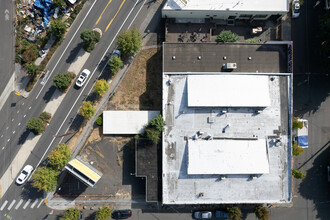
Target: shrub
[
  {"x": 101, "y": 87},
  {"x": 62, "y": 81},
  {"x": 58, "y": 28},
  {"x": 30, "y": 54},
  {"x": 115, "y": 64},
  {"x": 298, "y": 175},
  {"x": 297, "y": 149},
  {"x": 103, "y": 213},
  {"x": 44, "y": 179},
  {"x": 130, "y": 41},
  {"x": 297, "y": 124},
  {"x": 226, "y": 36},
  {"x": 45, "y": 117},
  {"x": 234, "y": 213},
  {"x": 60, "y": 156},
  {"x": 99, "y": 121},
  {"x": 158, "y": 123},
  {"x": 252, "y": 41},
  {"x": 35, "y": 125},
  {"x": 153, "y": 135},
  {"x": 261, "y": 213},
  {"x": 31, "y": 69},
  {"x": 90, "y": 38},
  {"x": 87, "y": 110},
  {"x": 71, "y": 214}
]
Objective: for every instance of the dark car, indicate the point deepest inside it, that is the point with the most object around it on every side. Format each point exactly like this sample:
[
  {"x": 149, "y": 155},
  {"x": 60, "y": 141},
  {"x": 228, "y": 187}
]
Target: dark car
[
  {"x": 121, "y": 214},
  {"x": 221, "y": 214}
]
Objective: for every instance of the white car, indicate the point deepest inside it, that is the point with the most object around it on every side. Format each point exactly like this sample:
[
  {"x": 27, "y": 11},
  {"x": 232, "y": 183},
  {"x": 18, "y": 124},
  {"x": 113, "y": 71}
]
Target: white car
[
  {"x": 82, "y": 78},
  {"x": 25, "y": 173},
  {"x": 295, "y": 9}
]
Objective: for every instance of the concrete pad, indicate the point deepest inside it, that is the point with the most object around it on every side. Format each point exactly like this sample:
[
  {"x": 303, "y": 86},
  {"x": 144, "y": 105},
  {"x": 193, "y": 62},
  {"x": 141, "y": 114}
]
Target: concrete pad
[
  {"x": 77, "y": 65},
  {"x": 54, "y": 102}
]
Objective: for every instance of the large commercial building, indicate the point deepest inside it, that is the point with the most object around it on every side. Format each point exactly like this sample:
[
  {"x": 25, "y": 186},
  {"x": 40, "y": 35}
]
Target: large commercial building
[
  {"x": 224, "y": 9},
  {"x": 227, "y": 109}
]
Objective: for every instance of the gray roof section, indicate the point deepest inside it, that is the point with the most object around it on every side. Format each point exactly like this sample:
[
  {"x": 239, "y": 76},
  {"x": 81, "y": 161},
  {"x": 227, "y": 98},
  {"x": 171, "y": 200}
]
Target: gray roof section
[{"x": 266, "y": 58}]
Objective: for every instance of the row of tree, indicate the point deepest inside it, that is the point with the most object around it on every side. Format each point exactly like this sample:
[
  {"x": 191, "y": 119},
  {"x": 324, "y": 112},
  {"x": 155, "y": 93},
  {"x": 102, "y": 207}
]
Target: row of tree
[{"x": 103, "y": 213}]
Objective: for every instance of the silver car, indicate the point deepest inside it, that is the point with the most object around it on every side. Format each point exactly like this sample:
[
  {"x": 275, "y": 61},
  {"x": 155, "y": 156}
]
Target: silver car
[
  {"x": 295, "y": 9},
  {"x": 25, "y": 173},
  {"x": 82, "y": 78}
]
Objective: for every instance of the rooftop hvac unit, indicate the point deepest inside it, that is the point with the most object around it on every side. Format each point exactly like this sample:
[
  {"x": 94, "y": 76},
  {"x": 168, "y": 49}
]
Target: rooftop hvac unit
[{"x": 230, "y": 66}]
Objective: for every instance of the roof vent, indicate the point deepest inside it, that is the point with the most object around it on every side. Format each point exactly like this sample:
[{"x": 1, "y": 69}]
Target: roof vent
[
  {"x": 199, "y": 57},
  {"x": 173, "y": 57}
]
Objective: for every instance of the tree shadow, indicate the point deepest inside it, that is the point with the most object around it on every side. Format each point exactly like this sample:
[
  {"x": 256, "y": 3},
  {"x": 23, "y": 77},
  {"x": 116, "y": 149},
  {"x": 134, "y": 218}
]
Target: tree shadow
[
  {"x": 25, "y": 136},
  {"x": 77, "y": 123},
  {"x": 91, "y": 216},
  {"x": 74, "y": 53},
  {"x": 29, "y": 192},
  {"x": 48, "y": 95}
]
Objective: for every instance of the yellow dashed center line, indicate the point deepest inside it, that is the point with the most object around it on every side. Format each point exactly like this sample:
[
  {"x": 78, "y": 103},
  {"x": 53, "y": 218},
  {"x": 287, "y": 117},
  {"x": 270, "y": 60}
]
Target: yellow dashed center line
[
  {"x": 102, "y": 13},
  {"x": 115, "y": 15}
]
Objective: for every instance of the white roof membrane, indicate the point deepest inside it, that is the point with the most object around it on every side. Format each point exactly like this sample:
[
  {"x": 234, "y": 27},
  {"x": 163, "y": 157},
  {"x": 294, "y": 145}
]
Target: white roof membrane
[
  {"x": 126, "y": 122},
  {"x": 228, "y": 157},
  {"x": 228, "y": 91}
]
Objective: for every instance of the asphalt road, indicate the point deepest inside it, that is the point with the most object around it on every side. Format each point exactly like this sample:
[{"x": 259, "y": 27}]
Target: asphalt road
[
  {"x": 6, "y": 43},
  {"x": 111, "y": 23}
]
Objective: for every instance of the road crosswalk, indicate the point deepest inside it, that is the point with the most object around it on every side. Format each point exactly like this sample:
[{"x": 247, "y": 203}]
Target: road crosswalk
[{"x": 33, "y": 204}]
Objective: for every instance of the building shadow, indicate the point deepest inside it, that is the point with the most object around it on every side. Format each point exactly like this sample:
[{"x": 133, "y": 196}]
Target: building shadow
[
  {"x": 71, "y": 187},
  {"x": 315, "y": 186}
]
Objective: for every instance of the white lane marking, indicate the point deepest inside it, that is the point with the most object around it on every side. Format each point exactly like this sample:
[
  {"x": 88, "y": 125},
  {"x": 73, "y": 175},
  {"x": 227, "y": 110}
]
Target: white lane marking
[
  {"x": 11, "y": 204},
  {"x": 23, "y": 103},
  {"x": 14, "y": 132},
  {"x": 1, "y": 135},
  {"x": 19, "y": 204},
  {"x": 89, "y": 78},
  {"x": 40, "y": 203},
  {"x": 24, "y": 116},
  {"x": 12, "y": 119},
  {"x": 17, "y": 111},
  {"x": 7, "y": 128},
  {"x": 19, "y": 124},
  {"x": 8, "y": 140},
  {"x": 30, "y": 107},
  {"x": 3, "y": 205},
  {"x": 26, "y": 204},
  {"x": 34, "y": 203},
  {"x": 66, "y": 48},
  {"x": 3, "y": 148}
]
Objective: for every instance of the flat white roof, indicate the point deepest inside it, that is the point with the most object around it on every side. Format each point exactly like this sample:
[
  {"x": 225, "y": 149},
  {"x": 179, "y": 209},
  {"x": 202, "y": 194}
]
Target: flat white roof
[
  {"x": 126, "y": 122},
  {"x": 228, "y": 5},
  {"x": 228, "y": 91},
  {"x": 227, "y": 157}
]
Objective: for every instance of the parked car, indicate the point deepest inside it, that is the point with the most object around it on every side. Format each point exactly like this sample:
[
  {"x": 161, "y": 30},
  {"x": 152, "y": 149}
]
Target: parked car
[
  {"x": 121, "y": 214},
  {"x": 301, "y": 135},
  {"x": 115, "y": 53},
  {"x": 202, "y": 215},
  {"x": 82, "y": 78},
  {"x": 25, "y": 173},
  {"x": 43, "y": 53},
  {"x": 221, "y": 214},
  {"x": 295, "y": 8}
]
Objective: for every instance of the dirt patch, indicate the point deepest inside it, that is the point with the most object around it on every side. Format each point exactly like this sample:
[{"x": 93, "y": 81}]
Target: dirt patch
[{"x": 141, "y": 88}]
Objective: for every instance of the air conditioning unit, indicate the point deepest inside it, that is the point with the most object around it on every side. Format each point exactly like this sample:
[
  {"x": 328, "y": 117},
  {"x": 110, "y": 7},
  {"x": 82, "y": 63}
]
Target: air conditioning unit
[{"x": 230, "y": 66}]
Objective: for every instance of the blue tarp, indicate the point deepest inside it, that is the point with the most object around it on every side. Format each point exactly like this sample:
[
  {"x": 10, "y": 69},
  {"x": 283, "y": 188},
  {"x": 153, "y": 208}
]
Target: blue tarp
[
  {"x": 44, "y": 7},
  {"x": 303, "y": 141}
]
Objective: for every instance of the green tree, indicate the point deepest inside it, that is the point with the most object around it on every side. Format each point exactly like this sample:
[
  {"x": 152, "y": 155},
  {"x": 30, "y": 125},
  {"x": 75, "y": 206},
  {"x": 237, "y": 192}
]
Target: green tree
[
  {"x": 297, "y": 149},
  {"x": 35, "y": 125},
  {"x": 87, "y": 110},
  {"x": 59, "y": 3},
  {"x": 62, "y": 81},
  {"x": 31, "y": 69},
  {"x": 298, "y": 175},
  {"x": 115, "y": 64},
  {"x": 90, "y": 38},
  {"x": 30, "y": 54},
  {"x": 58, "y": 28},
  {"x": 130, "y": 41},
  {"x": 103, "y": 213},
  {"x": 45, "y": 117},
  {"x": 261, "y": 212},
  {"x": 60, "y": 156},
  {"x": 234, "y": 213},
  {"x": 99, "y": 121},
  {"x": 71, "y": 214},
  {"x": 158, "y": 123},
  {"x": 226, "y": 36},
  {"x": 44, "y": 179},
  {"x": 101, "y": 87},
  {"x": 153, "y": 135},
  {"x": 297, "y": 124}
]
